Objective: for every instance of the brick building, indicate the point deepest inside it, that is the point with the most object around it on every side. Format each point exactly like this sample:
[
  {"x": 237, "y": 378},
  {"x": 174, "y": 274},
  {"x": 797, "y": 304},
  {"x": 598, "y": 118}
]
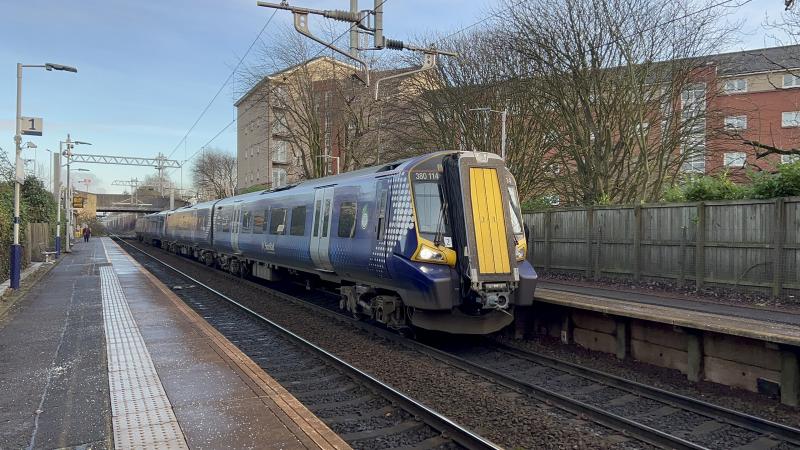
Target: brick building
[
  {"x": 267, "y": 155},
  {"x": 756, "y": 98}
]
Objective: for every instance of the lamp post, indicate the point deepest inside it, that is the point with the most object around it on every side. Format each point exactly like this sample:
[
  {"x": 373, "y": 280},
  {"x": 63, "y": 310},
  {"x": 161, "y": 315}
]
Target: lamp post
[
  {"x": 503, "y": 116},
  {"x": 16, "y": 248},
  {"x": 69, "y": 144}
]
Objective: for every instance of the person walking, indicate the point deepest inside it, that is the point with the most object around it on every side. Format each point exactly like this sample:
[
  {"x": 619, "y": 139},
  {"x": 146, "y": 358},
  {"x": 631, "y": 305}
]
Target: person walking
[{"x": 87, "y": 233}]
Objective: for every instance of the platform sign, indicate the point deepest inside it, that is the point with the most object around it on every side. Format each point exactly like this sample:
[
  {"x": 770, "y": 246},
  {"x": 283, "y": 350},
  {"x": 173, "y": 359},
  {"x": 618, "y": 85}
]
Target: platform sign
[
  {"x": 31, "y": 125},
  {"x": 77, "y": 201}
]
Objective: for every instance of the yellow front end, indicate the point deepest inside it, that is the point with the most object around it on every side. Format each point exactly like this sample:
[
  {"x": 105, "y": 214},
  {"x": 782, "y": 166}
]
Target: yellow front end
[{"x": 489, "y": 220}]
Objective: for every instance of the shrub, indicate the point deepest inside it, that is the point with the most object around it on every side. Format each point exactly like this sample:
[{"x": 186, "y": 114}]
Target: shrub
[
  {"x": 784, "y": 183},
  {"x": 705, "y": 187}
]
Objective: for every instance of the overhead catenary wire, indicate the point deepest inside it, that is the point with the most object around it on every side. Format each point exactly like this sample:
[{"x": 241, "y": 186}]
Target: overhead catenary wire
[
  {"x": 461, "y": 30},
  {"x": 225, "y": 83},
  {"x": 264, "y": 95}
]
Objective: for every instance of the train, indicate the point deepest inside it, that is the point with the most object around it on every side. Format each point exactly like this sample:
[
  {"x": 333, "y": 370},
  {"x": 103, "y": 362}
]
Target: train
[{"x": 435, "y": 242}]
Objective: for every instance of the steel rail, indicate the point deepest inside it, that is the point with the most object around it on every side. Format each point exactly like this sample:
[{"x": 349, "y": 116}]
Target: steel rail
[
  {"x": 632, "y": 428},
  {"x": 447, "y": 427},
  {"x": 738, "y": 418}
]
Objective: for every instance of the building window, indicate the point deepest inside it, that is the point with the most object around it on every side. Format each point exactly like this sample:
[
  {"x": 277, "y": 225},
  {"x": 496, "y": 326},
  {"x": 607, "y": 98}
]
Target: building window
[
  {"x": 347, "y": 219},
  {"x": 277, "y": 221},
  {"x": 280, "y": 151},
  {"x": 693, "y": 98},
  {"x": 695, "y": 150},
  {"x": 279, "y": 123},
  {"x": 735, "y": 159},
  {"x": 789, "y": 159},
  {"x": 735, "y": 86},
  {"x": 280, "y": 96},
  {"x": 278, "y": 177},
  {"x": 790, "y": 81},
  {"x": 298, "y": 227},
  {"x": 736, "y": 123},
  {"x": 790, "y": 119}
]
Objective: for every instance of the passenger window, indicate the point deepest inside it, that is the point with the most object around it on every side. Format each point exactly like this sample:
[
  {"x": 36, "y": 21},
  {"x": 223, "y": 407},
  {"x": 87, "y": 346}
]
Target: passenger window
[
  {"x": 317, "y": 207},
  {"x": 382, "y": 214},
  {"x": 347, "y": 219},
  {"x": 226, "y": 223},
  {"x": 326, "y": 218},
  {"x": 277, "y": 221},
  {"x": 258, "y": 224},
  {"x": 247, "y": 221},
  {"x": 298, "y": 221},
  {"x": 264, "y": 225}
]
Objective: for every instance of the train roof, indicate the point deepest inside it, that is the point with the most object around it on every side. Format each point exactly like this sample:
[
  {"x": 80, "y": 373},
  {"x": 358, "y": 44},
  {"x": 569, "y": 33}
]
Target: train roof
[{"x": 367, "y": 172}]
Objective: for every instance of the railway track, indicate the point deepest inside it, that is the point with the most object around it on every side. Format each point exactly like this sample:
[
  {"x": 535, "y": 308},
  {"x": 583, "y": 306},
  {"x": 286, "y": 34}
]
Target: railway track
[
  {"x": 365, "y": 412},
  {"x": 648, "y": 414}
]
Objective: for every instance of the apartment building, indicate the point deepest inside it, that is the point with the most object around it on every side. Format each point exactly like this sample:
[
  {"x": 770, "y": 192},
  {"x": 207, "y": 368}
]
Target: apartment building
[
  {"x": 753, "y": 97},
  {"x": 267, "y": 155}
]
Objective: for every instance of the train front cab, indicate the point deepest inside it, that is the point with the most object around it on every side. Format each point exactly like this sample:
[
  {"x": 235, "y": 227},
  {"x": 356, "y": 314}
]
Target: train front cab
[{"x": 471, "y": 239}]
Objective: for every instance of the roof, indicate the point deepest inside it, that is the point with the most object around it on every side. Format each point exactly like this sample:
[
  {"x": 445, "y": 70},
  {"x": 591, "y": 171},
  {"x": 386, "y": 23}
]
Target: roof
[
  {"x": 287, "y": 71},
  {"x": 757, "y": 60}
]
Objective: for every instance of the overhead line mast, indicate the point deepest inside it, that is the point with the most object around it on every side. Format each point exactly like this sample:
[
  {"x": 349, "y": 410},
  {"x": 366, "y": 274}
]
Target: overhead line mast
[{"x": 368, "y": 22}]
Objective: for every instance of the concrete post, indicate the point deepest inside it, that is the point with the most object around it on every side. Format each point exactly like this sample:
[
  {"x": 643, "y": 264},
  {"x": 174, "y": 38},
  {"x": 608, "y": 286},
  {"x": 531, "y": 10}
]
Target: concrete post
[
  {"x": 522, "y": 316},
  {"x": 694, "y": 352},
  {"x": 567, "y": 329},
  {"x": 623, "y": 336},
  {"x": 790, "y": 377}
]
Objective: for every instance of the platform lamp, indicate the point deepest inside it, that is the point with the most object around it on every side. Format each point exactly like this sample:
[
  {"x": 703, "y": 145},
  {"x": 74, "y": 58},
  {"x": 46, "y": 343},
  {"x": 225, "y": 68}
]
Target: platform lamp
[
  {"x": 16, "y": 248},
  {"x": 70, "y": 144}
]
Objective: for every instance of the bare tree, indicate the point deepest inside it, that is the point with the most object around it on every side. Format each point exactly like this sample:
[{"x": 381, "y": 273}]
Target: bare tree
[
  {"x": 619, "y": 88},
  {"x": 214, "y": 174},
  {"x": 303, "y": 93},
  {"x": 437, "y": 110},
  {"x": 784, "y": 31},
  {"x": 154, "y": 185}
]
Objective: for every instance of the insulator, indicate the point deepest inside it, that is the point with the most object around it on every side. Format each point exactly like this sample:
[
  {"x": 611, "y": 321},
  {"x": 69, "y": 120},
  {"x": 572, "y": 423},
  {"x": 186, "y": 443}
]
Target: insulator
[
  {"x": 344, "y": 16},
  {"x": 394, "y": 44}
]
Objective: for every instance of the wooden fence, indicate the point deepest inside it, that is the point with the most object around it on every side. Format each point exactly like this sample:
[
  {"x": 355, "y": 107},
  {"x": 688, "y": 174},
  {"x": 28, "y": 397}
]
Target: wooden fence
[
  {"x": 749, "y": 243},
  {"x": 37, "y": 239}
]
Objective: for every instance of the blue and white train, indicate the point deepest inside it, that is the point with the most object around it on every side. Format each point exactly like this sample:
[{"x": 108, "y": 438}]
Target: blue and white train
[{"x": 435, "y": 241}]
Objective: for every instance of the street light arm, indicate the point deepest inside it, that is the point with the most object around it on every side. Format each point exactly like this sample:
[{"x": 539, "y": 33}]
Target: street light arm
[{"x": 53, "y": 66}]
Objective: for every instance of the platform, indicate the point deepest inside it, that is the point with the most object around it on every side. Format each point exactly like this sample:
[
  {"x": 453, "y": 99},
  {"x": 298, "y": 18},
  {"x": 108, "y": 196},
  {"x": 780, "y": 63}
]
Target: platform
[
  {"x": 755, "y": 323},
  {"x": 100, "y": 354}
]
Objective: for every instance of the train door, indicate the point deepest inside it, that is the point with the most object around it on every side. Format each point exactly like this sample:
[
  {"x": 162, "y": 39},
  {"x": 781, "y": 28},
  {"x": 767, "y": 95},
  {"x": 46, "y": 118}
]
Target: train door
[
  {"x": 236, "y": 226},
  {"x": 320, "y": 232}
]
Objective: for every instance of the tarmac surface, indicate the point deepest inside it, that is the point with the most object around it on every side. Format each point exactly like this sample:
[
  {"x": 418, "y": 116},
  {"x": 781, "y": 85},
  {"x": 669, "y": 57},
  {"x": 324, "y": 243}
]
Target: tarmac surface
[
  {"x": 53, "y": 371},
  {"x": 100, "y": 354}
]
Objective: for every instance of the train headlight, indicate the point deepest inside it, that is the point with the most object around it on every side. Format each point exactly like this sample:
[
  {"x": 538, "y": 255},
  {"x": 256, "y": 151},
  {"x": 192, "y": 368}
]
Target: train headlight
[
  {"x": 521, "y": 251},
  {"x": 431, "y": 255}
]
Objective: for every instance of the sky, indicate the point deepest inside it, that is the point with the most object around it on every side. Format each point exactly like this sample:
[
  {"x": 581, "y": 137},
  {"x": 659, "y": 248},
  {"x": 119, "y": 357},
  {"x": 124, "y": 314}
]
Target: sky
[{"x": 147, "y": 69}]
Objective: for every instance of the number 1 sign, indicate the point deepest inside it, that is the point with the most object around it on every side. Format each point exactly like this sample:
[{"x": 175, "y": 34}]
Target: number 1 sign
[{"x": 31, "y": 125}]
